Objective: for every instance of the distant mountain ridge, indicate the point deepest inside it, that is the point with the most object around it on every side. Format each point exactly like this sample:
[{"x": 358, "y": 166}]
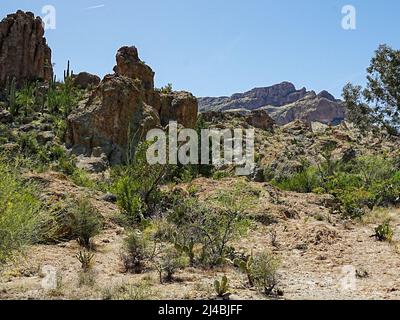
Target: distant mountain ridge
[{"x": 283, "y": 102}]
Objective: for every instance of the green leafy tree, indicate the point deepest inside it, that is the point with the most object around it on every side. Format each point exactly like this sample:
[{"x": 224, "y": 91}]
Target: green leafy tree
[{"x": 378, "y": 105}]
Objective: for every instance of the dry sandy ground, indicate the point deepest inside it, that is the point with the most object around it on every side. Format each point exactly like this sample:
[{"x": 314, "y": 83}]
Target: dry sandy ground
[{"x": 321, "y": 256}]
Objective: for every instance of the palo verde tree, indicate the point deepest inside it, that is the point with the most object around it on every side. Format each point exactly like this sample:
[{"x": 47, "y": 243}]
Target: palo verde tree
[{"x": 377, "y": 105}]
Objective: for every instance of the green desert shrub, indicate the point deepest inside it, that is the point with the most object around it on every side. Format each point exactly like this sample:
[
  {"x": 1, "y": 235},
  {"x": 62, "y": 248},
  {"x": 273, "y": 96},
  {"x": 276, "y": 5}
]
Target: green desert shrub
[
  {"x": 137, "y": 185},
  {"x": 129, "y": 198},
  {"x": 22, "y": 214},
  {"x": 360, "y": 184},
  {"x": 81, "y": 178},
  {"x": 166, "y": 89},
  {"x": 171, "y": 261},
  {"x": 26, "y": 98},
  {"x": 139, "y": 251},
  {"x": 384, "y": 232},
  {"x": 263, "y": 272},
  {"x": 305, "y": 181},
  {"x": 84, "y": 221},
  {"x": 205, "y": 230}
]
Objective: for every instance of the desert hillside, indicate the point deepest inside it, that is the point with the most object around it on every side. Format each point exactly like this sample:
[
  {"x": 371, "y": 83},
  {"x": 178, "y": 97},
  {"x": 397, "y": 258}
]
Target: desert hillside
[{"x": 84, "y": 215}]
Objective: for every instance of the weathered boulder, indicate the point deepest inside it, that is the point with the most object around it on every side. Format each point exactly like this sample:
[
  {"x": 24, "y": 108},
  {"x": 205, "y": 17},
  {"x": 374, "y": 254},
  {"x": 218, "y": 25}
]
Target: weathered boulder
[
  {"x": 85, "y": 80},
  {"x": 45, "y": 136},
  {"x": 113, "y": 114},
  {"x": 24, "y": 53},
  {"x": 261, "y": 120},
  {"x": 179, "y": 106}
]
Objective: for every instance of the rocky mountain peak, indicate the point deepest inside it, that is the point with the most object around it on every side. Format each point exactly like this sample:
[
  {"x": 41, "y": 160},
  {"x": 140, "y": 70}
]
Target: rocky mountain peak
[
  {"x": 325, "y": 94},
  {"x": 283, "y": 102}
]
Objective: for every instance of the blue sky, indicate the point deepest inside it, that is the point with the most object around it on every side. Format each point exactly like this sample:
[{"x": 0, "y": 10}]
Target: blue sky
[{"x": 219, "y": 47}]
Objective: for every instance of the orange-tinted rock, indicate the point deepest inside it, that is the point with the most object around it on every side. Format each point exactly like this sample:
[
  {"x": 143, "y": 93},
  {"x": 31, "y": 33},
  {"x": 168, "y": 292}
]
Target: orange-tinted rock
[
  {"x": 125, "y": 106},
  {"x": 24, "y": 53},
  {"x": 85, "y": 80},
  {"x": 114, "y": 113},
  {"x": 129, "y": 65},
  {"x": 179, "y": 106}
]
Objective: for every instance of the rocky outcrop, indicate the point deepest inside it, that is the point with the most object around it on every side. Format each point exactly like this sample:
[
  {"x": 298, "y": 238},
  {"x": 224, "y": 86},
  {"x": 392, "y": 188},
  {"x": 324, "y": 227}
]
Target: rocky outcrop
[
  {"x": 129, "y": 65},
  {"x": 258, "y": 118},
  {"x": 85, "y": 80},
  {"x": 123, "y": 108},
  {"x": 313, "y": 108},
  {"x": 179, "y": 106},
  {"x": 24, "y": 53},
  {"x": 113, "y": 114},
  {"x": 276, "y": 95},
  {"x": 283, "y": 103}
]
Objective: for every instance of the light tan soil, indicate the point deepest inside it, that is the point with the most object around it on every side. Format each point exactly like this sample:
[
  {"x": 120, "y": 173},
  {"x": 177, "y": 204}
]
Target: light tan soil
[{"x": 319, "y": 254}]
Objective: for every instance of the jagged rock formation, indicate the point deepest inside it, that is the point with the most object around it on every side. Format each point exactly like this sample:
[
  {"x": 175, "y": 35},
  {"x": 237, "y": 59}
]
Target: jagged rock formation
[
  {"x": 178, "y": 106},
  {"x": 123, "y": 108},
  {"x": 24, "y": 53},
  {"x": 312, "y": 108},
  {"x": 258, "y": 118},
  {"x": 277, "y": 95},
  {"x": 129, "y": 65},
  {"x": 283, "y": 102},
  {"x": 84, "y": 80}
]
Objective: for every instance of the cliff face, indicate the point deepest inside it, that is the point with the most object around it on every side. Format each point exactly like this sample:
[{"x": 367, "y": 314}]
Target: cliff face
[
  {"x": 283, "y": 102},
  {"x": 312, "y": 108},
  {"x": 24, "y": 53}
]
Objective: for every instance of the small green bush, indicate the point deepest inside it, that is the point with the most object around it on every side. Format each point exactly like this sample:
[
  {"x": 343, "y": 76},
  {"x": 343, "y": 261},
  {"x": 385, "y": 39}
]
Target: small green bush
[
  {"x": 359, "y": 184},
  {"x": 139, "y": 250},
  {"x": 264, "y": 272},
  {"x": 384, "y": 232},
  {"x": 137, "y": 186},
  {"x": 211, "y": 227},
  {"x": 170, "y": 263},
  {"x": 85, "y": 222},
  {"x": 305, "y": 181}
]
